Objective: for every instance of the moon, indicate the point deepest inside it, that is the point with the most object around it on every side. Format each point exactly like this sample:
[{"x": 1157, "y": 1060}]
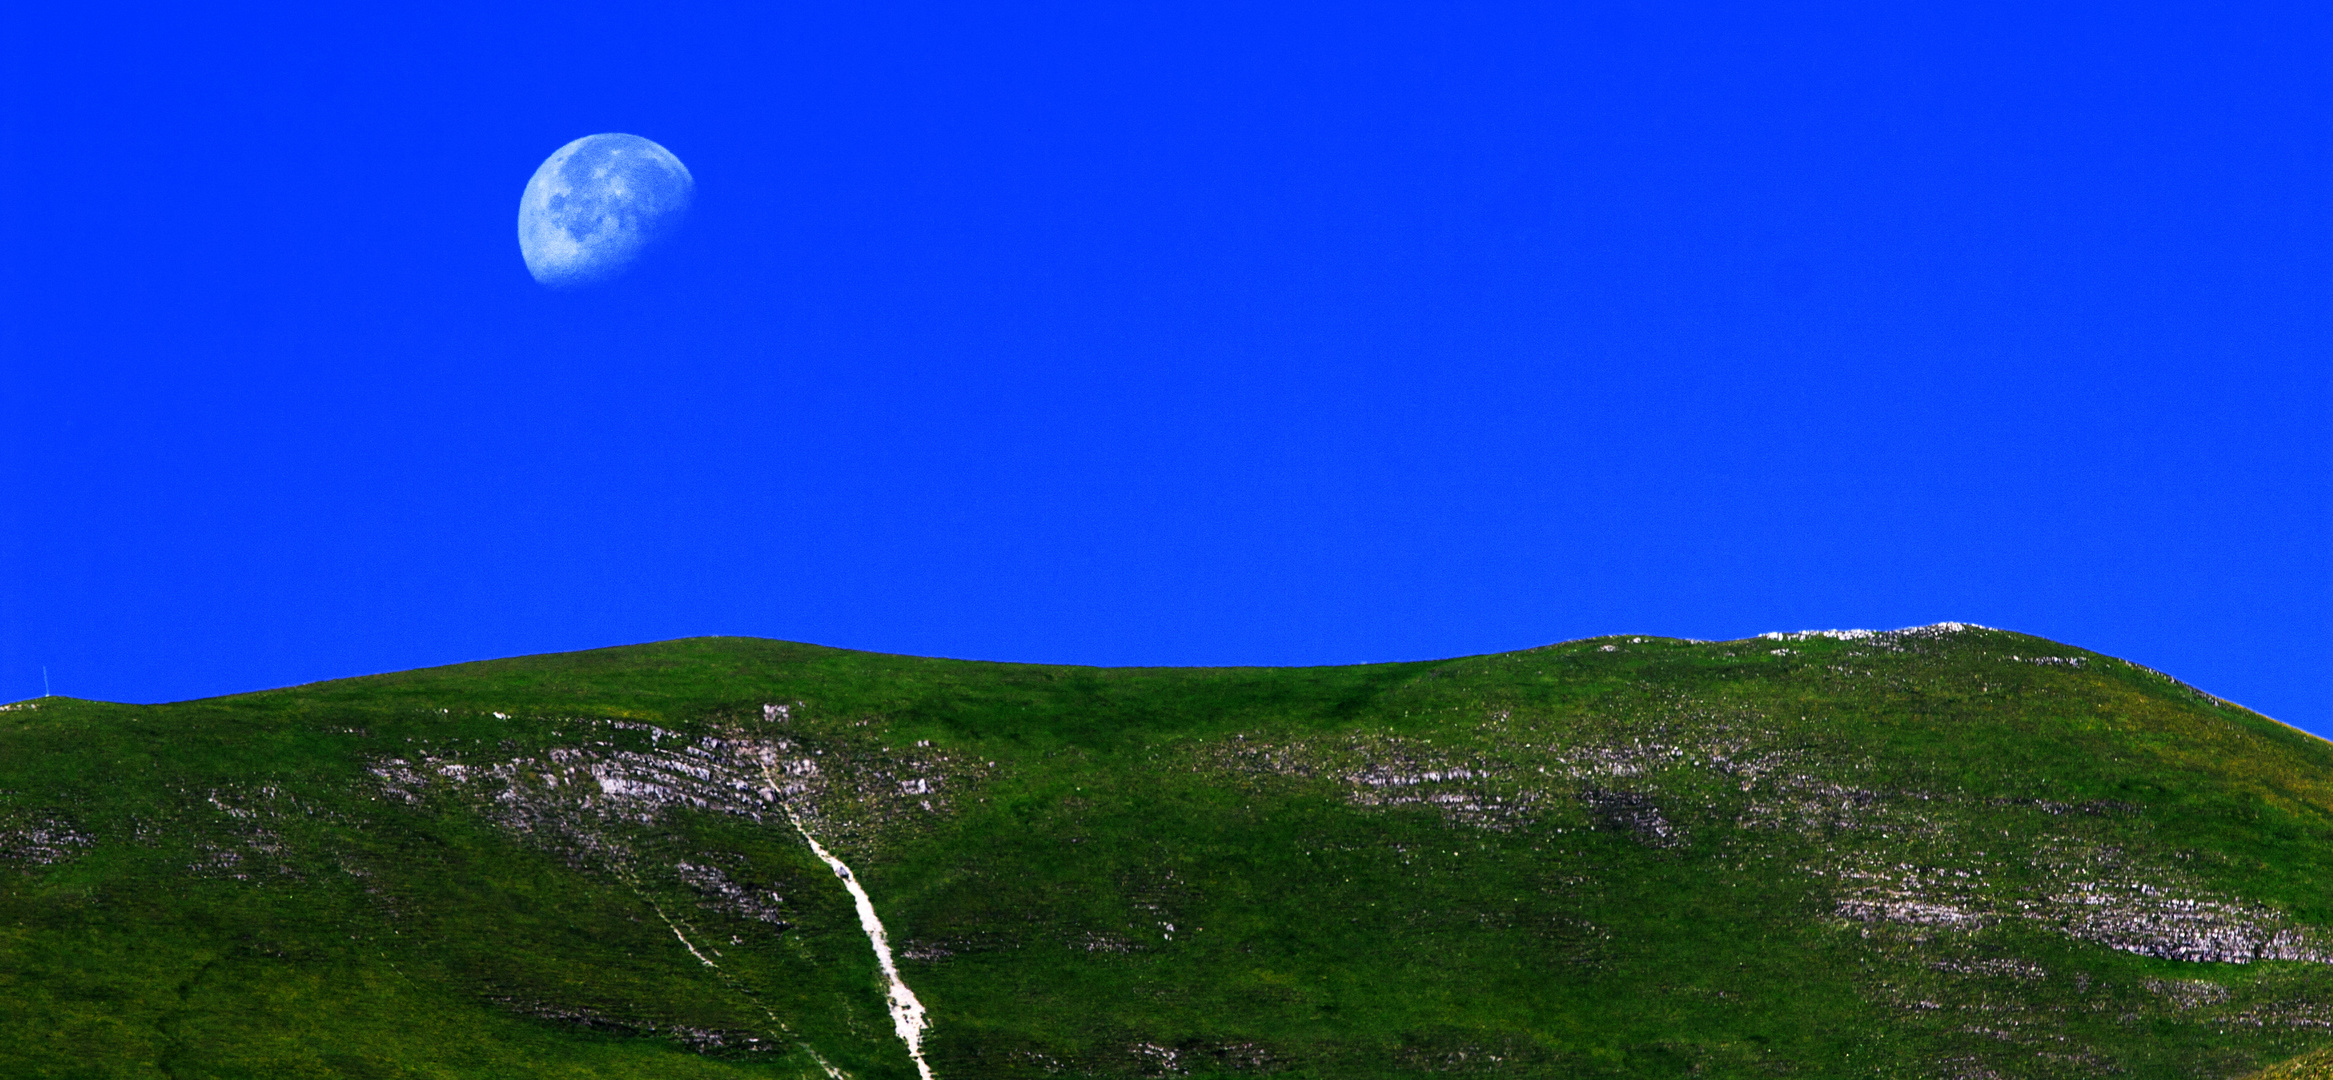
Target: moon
[{"x": 596, "y": 204}]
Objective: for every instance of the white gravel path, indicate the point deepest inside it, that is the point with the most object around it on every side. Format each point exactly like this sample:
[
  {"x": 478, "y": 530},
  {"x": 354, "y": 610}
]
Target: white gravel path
[{"x": 907, "y": 1014}]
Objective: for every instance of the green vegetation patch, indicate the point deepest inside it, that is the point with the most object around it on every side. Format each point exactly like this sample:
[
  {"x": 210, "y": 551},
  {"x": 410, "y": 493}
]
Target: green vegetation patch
[{"x": 1948, "y": 852}]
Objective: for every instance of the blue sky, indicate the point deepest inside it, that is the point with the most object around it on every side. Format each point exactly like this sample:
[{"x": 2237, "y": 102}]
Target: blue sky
[{"x": 1172, "y": 334}]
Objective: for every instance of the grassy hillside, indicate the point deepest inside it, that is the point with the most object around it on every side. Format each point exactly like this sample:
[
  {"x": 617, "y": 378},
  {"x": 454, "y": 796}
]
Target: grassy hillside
[{"x": 1948, "y": 852}]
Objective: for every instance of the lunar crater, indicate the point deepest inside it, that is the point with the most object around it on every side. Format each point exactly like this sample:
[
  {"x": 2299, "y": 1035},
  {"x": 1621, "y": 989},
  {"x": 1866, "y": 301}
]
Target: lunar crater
[{"x": 596, "y": 204}]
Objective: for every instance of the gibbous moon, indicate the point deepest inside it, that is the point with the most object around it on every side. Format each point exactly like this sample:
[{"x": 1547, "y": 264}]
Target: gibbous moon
[{"x": 599, "y": 202}]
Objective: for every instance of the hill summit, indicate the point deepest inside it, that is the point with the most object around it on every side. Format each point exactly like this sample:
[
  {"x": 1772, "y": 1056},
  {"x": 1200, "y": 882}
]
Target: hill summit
[{"x": 1946, "y": 851}]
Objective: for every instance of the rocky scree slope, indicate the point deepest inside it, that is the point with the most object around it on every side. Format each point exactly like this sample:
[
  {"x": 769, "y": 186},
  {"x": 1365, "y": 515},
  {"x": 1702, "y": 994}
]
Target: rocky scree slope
[{"x": 1944, "y": 852}]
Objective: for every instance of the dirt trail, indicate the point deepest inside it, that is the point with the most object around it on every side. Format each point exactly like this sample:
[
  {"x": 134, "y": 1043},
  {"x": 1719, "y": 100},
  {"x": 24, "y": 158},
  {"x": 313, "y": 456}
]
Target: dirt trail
[{"x": 907, "y": 1014}]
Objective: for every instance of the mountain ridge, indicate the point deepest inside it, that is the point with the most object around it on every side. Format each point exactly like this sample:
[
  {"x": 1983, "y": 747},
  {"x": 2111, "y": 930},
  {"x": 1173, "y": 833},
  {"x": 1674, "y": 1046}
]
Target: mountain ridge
[{"x": 1938, "y": 851}]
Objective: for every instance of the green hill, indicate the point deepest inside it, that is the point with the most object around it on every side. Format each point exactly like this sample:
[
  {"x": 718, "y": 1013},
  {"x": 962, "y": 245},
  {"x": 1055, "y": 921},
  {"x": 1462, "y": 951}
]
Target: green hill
[{"x": 1945, "y": 852}]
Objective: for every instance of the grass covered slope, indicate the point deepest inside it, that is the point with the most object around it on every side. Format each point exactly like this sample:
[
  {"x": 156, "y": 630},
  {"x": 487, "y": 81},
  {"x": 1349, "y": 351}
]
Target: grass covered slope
[{"x": 1944, "y": 852}]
